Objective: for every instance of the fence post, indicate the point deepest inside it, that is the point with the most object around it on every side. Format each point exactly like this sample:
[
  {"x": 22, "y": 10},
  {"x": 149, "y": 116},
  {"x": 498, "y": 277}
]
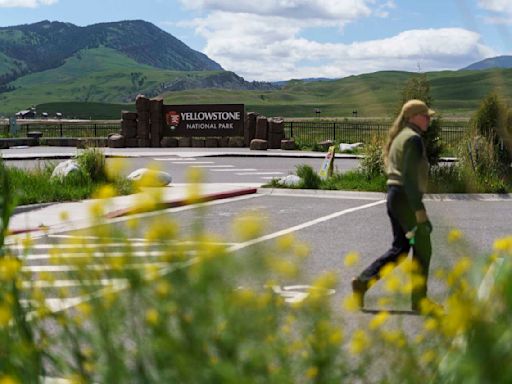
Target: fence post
[
  {"x": 95, "y": 133},
  {"x": 61, "y": 132},
  {"x": 334, "y": 132},
  {"x": 291, "y": 129}
]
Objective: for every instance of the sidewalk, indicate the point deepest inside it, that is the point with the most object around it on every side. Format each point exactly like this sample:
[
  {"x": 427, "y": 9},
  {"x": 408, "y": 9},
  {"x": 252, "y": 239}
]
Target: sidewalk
[{"x": 48, "y": 218}]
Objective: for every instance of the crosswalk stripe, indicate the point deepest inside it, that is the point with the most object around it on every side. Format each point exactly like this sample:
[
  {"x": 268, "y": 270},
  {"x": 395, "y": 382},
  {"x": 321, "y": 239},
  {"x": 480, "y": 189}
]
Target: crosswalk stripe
[
  {"x": 94, "y": 267},
  {"x": 193, "y": 162},
  {"x": 235, "y": 170},
  {"x": 258, "y": 173},
  {"x": 71, "y": 283},
  {"x": 173, "y": 158},
  {"x": 212, "y": 166}
]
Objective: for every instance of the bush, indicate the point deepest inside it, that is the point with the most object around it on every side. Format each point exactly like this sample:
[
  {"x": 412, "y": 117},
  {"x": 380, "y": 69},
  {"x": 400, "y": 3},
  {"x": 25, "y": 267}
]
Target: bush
[
  {"x": 93, "y": 161},
  {"x": 372, "y": 164},
  {"x": 310, "y": 179},
  {"x": 490, "y": 127}
]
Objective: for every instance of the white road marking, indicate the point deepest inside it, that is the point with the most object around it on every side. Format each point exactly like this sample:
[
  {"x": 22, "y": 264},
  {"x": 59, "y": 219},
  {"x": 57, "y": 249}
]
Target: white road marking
[
  {"x": 212, "y": 166},
  {"x": 258, "y": 173},
  {"x": 93, "y": 267},
  {"x": 71, "y": 283},
  {"x": 235, "y": 170},
  {"x": 70, "y": 256},
  {"x": 302, "y": 226},
  {"x": 173, "y": 158},
  {"x": 193, "y": 162}
]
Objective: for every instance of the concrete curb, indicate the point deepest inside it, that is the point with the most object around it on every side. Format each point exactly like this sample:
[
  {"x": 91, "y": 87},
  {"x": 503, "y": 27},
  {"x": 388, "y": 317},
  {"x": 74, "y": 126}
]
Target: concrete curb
[{"x": 182, "y": 202}]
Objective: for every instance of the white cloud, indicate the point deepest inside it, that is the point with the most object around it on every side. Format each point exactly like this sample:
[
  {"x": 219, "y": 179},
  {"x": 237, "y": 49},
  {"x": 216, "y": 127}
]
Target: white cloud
[
  {"x": 501, "y": 11},
  {"x": 25, "y": 3},
  {"x": 269, "y": 48},
  {"x": 336, "y": 10}
]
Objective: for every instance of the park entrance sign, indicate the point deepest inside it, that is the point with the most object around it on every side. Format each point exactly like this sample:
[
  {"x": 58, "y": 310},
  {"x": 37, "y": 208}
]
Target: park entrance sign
[
  {"x": 155, "y": 124},
  {"x": 204, "y": 120}
]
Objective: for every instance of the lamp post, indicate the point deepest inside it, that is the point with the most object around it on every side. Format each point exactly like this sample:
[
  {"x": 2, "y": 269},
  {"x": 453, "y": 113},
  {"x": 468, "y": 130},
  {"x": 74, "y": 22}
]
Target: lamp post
[{"x": 317, "y": 111}]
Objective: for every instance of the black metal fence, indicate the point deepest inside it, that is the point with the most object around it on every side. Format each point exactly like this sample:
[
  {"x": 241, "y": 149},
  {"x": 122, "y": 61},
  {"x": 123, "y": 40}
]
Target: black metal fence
[
  {"x": 312, "y": 132},
  {"x": 304, "y": 132},
  {"x": 62, "y": 128}
]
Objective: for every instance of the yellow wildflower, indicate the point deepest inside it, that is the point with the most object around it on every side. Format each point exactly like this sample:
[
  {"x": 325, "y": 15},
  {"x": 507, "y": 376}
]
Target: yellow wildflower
[
  {"x": 9, "y": 268},
  {"x": 392, "y": 283},
  {"x": 248, "y": 226},
  {"x": 503, "y": 245},
  {"x": 114, "y": 167},
  {"x": 301, "y": 250},
  {"x": 152, "y": 317},
  {"x": 285, "y": 243},
  {"x": 351, "y": 259},
  {"x": 351, "y": 303},
  {"x": 5, "y": 315},
  {"x": 428, "y": 356},
  {"x": 454, "y": 235},
  {"x": 312, "y": 372},
  {"x": 359, "y": 342},
  {"x": 105, "y": 192},
  {"x": 378, "y": 320},
  {"x": 6, "y": 379}
]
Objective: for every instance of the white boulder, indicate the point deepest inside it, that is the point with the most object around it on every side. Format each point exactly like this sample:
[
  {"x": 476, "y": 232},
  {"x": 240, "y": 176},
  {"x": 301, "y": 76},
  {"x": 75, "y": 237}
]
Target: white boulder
[
  {"x": 290, "y": 180},
  {"x": 349, "y": 147},
  {"x": 65, "y": 168},
  {"x": 150, "y": 178}
]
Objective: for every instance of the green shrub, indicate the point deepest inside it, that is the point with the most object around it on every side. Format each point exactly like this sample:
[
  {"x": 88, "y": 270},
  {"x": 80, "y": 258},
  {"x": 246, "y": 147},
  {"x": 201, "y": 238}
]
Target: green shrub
[
  {"x": 372, "y": 163},
  {"x": 310, "y": 179},
  {"x": 92, "y": 160},
  {"x": 490, "y": 124}
]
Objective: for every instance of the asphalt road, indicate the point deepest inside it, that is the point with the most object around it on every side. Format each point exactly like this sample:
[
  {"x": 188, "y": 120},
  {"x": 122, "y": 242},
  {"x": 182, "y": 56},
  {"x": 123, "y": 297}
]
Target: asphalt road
[{"x": 332, "y": 224}]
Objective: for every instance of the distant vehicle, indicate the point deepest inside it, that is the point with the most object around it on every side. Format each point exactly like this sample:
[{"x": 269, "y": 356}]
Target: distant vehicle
[
  {"x": 44, "y": 115},
  {"x": 58, "y": 115}
]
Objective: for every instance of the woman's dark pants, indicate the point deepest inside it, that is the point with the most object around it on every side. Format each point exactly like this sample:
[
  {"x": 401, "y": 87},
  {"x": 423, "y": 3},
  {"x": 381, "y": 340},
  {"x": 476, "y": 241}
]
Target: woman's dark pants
[{"x": 402, "y": 220}]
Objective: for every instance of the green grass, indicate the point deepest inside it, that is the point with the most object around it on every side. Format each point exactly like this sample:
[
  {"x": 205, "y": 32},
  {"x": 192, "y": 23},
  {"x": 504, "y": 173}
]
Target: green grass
[
  {"x": 102, "y": 77},
  {"x": 36, "y": 186}
]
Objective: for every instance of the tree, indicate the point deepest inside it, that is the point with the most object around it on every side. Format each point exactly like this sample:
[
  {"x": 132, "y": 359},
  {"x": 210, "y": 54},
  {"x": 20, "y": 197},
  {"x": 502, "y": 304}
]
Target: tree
[
  {"x": 491, "y": 123},
  {"x": 418, "y": 87}
]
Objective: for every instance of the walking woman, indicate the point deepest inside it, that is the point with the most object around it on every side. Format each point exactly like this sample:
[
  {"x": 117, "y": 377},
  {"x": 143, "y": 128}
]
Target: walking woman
[{"x": 407, "y": 172}]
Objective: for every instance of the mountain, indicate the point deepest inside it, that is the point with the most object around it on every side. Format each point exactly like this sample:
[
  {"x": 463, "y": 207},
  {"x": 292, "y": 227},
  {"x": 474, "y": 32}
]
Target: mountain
[
  {"x": 45, "y": 45},
  {"x": 107, "y": 63},
  {"x": 492, "y": 62}
]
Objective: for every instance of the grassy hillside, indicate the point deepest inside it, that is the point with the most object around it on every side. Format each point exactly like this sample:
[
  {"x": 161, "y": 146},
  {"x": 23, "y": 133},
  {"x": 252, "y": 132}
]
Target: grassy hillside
[
  {"x": 107, "y": 77},
  {"x": 94, "y": 75},
  {"x": 46, "y": 45},
  {"x": 455, "y": 93}
]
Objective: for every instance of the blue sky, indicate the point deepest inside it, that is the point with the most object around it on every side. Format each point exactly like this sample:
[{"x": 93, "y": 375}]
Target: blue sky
[{"x": 283, "y": 39}]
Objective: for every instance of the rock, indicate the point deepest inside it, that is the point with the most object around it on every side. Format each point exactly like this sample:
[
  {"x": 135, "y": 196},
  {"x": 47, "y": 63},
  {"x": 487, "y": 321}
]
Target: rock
[
  {"x": 288, "y": 144},
  {"x": 211, "y": 142},
  {"x": 116, "y": 141},
  {"x": 349, "y": 147},
  {"x": 290, "y": 180},
  {"x": 169, "y": 142},
  {"x": 129, "y": 116},
  {"x": 65, "y": 168},
  {"x": 258, "y": 144},
  {"x": 261, "y": 128},
  {"x": 324, "y": 145},
  {"x": 150, "y": 178}
]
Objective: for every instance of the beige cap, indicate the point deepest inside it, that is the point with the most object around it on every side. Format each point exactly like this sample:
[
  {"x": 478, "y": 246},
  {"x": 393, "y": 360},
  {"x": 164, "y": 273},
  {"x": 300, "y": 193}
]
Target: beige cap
[{"x": 416, "y": 107}]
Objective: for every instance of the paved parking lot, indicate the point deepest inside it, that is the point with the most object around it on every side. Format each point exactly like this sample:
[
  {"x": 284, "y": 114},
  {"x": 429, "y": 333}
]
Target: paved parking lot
[{"x": 332, "y": 223}]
